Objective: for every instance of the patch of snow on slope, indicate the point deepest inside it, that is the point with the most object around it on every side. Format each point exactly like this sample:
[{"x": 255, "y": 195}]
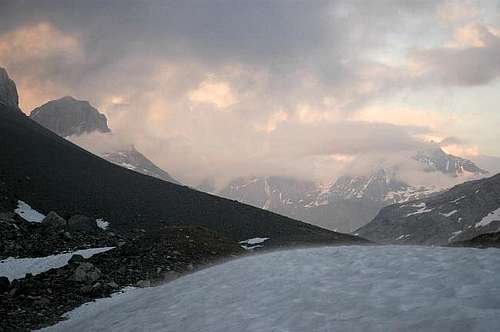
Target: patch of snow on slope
[
  {"x": 15, "y": 268},
  {"x": 458, "y": 199},
  {"x": 422, "y": 209},
  {"x": 347, "y": 288},
  {"x": 454, "y": 235},
  {"x": 26, "y": 212},
  {"x": 492, "y": 216},
  {"x": 449, "y": 214},
  {"x": 253, "y": 243},
  {"x": 129, "y": 166},
  {"x": 102, "y": 224}
]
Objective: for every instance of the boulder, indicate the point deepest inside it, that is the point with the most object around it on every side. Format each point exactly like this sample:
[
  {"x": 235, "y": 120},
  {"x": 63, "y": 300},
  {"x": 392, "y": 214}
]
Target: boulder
[
  {"x": 4, "y": 284},
  {"x": 82, "y": 224},
  {"x": 86, "y": 272},
  {"x": 53, "y": 220},
  {"x": 143, "y": 283},
  {"x": 76, "y": 259}
]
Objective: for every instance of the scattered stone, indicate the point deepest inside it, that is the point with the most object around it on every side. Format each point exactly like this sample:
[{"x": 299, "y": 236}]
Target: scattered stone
[
  {"x": 76, "y": 259},
  {"x": 143, "y": 283},
  {"x": 86, "y": 272},
  {"x": 113, "y": 285},
  {"x": 82, "y": 224},
  {"x": 170, "y": 275},
  {"x": 53, "y": 220},
  {"x": 67, "y": 236},
  {"x": 4, "y": 284}
]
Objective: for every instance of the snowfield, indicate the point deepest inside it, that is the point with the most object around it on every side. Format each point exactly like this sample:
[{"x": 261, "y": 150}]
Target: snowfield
[
  {"x": 28, "y": 213},
  {"x": 355, "y": 288},
  {"x": 15, "y": 268}
]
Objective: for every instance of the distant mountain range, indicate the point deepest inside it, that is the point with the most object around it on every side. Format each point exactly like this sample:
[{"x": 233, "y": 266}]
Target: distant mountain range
[
  {"x": 50, "y": 173},
  {"x": 69, "y": 117},
  {"x": 351, "y": 201},
  {"x": 461, "y": 213}
]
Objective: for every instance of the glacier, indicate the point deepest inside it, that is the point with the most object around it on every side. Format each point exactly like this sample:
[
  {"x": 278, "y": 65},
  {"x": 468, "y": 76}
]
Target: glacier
[{"x": 346, "y": 288}]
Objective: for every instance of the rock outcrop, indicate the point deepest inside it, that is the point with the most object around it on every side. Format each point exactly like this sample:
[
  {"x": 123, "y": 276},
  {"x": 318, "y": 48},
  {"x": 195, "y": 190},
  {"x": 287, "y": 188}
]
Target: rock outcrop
[
  {"x": 68, "y": 116},
  {"x": 8, "y": 90}
]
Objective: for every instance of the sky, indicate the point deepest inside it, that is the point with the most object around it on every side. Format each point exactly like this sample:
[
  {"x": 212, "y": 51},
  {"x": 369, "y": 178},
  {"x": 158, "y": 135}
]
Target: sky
[{"x": 220, "y": 89}]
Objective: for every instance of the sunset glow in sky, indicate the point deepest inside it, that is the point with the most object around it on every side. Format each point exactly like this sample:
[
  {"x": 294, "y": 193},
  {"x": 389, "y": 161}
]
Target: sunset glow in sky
[{"x": 300, "y": 88}]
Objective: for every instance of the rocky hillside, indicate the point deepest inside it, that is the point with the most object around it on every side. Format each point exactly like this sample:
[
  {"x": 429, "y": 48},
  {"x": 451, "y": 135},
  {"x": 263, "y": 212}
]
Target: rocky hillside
[
  {"x": 69, "y": 117},
  {"x": 459, "y": 214},
  {"x": 141, "y": 260},
  {"x": 8, "y": 90},
  {"x": 488, "y": 240}
]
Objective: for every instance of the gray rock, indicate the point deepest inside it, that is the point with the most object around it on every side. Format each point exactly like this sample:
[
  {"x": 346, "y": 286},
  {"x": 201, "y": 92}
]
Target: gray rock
[
  {"x": 82, "y": 224},
  {"x": 143, "y": 283},
  {"x": 112, "y": 285},
  {"x": 170, "y": 275},
  {"x": 76, "y": 259},
  {"x": 53, "y": 220},
  {"x": 8, "y": 90},
  {"x": 4, "y": 284},
  {"x": 86, "y": 272}
]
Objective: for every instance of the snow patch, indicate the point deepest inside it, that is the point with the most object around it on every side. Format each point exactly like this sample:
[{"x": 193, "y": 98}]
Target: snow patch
[
  {"x": 492, "y": 216},
  {"x": 347, "y": 288},
  {"x": 28, "y": 213},
  {"x": 449, "y": 214},
  {"x": 422, "y": 209},
  {"x": 458, "y": 199},
  {"x": 15, "y": 268},
  {"x": 253, "y": 243},
  {"x": 454, "y": 235}
]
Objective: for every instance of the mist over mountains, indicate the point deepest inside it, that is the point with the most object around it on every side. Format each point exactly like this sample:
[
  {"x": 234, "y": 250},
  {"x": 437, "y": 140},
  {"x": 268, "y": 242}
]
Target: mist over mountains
[{"x": 84, "y": 125}]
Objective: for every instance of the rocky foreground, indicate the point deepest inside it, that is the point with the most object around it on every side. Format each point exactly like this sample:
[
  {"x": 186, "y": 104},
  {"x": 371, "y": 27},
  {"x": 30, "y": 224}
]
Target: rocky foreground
[{"x": 141, "y": 260}]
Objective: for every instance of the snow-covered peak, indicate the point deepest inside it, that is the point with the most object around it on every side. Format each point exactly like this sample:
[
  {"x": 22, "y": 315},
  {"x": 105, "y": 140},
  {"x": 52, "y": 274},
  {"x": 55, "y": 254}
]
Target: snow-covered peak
[{"x": 436, "y": 159}]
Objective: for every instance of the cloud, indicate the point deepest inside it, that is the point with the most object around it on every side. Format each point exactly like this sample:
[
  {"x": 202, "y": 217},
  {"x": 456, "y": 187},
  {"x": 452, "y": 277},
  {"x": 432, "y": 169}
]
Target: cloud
[
  {"x": 40, "y": 58},
  {"x": 231, "y": 88},
  {"x": 473, "y": 59},
  {"x": 218, "y": 93}
]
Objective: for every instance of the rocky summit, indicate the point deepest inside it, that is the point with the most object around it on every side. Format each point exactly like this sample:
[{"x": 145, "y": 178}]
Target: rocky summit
[
  {"x": 8, "y": 90},
  {"x": 68, "y": 116}
]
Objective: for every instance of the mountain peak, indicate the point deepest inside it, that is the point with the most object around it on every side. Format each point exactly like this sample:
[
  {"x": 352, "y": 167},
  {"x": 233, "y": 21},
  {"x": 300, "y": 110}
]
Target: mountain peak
[
  {"x": 69, "y": 116},
  {"x": 8, "y": 90},
  {"x": 435, "y": 159}
]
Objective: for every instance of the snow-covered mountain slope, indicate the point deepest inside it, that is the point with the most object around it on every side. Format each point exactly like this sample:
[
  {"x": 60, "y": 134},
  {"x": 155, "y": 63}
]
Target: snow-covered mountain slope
[
  {"x": 461, "y": 213},
  {"x": 345, "y": 205},
  {"x": 351, "y": 201},
  {"x": 136, "y": 161},
  {"x": 384, "y": 288},
  {"x": 438, "y": 160},
  {"x": 69, "y": 117}
]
